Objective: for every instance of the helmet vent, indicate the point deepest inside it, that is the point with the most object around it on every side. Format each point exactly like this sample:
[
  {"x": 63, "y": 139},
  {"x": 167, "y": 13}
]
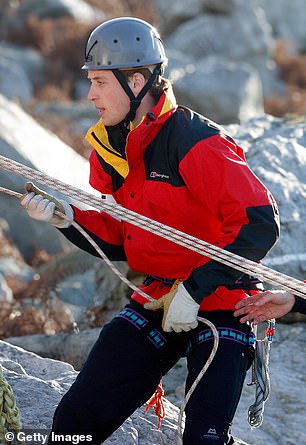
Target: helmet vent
[{"x": 88, "y": 56}]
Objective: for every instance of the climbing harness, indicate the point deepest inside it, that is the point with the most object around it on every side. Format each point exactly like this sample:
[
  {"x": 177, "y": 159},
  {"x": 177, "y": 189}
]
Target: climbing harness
[
  {"x": 260, "y": 376},
  {"x": 183, "y": 239},
  {"x": 9, "y": 413}
]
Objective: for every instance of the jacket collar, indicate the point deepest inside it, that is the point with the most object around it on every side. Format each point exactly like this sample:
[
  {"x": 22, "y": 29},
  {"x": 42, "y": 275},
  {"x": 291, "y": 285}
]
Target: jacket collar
[{"x": 109, "y": 142}]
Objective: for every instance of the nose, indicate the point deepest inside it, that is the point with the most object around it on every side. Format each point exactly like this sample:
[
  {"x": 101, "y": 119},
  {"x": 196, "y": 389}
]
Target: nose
[{"x": 91, "y": 93}]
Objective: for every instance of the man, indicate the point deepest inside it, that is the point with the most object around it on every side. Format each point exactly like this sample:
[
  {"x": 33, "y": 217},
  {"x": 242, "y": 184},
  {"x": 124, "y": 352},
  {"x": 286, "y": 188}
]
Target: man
[
  {"x": 267, "y": 305},
  {"x": 174, "y": 166}
]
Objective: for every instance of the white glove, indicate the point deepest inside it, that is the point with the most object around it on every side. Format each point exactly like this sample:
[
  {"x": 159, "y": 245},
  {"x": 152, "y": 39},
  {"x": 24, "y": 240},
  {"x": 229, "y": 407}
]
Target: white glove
[
  {"x": 41, "y": 206},
  {"x": 180, "y": 310}
]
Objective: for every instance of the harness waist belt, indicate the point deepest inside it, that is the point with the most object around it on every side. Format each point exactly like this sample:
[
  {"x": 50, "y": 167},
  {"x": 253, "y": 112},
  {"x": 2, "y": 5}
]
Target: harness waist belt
[
  {"x": 142, "y": 324},
  {"x": 224, "y": 334}
]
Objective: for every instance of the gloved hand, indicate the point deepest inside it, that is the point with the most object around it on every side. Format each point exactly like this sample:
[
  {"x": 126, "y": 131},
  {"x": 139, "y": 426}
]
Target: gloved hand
[
  {"x": 180, "y": 310},
  {"x": 41, "y": 206}
]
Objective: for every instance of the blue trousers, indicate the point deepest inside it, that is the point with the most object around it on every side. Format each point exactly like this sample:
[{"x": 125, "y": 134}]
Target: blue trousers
[{"x": 128, "y": 360}]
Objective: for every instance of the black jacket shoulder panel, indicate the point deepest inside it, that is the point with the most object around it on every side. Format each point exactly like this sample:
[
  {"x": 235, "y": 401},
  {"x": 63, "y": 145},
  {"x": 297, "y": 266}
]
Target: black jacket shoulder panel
[
  {"x": 117, "y": 179},
  {"x": 175, "y": 139},
  {"x": 117, "y": 135}
]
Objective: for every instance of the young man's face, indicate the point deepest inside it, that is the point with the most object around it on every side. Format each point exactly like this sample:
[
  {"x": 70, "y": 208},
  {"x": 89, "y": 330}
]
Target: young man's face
[{"x": 108, "y": 96}]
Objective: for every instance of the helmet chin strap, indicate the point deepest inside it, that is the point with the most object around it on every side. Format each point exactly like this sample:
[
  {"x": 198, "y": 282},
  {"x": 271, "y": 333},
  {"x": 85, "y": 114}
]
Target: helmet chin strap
[{"x": 135, "y": 101}]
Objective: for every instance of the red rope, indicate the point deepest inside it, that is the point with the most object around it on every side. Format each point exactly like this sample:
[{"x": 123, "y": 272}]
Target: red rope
[{"x": 156, "y": 402}]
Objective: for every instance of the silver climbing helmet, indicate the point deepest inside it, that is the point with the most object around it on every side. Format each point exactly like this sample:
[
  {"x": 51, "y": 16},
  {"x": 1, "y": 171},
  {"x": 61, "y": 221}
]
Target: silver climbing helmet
[{"x": 124, "y": 42}]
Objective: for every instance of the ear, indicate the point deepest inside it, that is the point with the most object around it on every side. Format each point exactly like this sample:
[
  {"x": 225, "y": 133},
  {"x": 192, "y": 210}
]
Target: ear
[{"x": 137, "y": 82}]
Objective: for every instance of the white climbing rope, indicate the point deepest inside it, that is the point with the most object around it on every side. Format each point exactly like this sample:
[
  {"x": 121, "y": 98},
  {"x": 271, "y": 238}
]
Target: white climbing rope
[
  {"x": 149, "y": 298},
  {"x": 195, "y": 244},
  {"x": 230, "y": 259},
  {"x": 199, "y": 376},
  {"x": 94, "y": 245}
]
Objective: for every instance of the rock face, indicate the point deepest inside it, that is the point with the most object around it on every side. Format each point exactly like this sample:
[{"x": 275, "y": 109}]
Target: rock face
[
  {"x": 283, "y": 416},
  {"x": 284, "y": 410},
  {"x": 78, "y": 9},
  {"x": 286, "y": 19},
  {"x": 220, "y": 63},
  {"x": 72, "y": 348},
  {"x": 220, "y": 88},
  {"x": 235, "y": 32},
  {"x": 37, "y": 148},
  {"x": 275, "y": 150},
  {"x": 39, "y": 384}
]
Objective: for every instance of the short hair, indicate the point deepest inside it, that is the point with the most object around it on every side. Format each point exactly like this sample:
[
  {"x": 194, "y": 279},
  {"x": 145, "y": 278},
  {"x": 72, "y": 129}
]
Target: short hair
[{"x": 159, "y": 85}]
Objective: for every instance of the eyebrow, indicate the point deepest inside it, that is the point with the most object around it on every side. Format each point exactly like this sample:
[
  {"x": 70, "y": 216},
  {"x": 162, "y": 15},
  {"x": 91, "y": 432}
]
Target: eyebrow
[{"x": 96, "y": 77}]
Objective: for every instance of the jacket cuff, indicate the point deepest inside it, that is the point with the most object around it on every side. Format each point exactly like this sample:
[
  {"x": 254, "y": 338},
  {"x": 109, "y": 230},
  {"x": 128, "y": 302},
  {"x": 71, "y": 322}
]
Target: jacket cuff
[
  {"x": 193, "y": 290},
  {"x": 299, "y": 305}
]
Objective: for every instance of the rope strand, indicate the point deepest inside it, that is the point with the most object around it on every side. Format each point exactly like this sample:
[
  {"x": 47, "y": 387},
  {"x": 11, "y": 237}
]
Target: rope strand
[
  {"x": 198, "y": 378},
  {"x": 214, "y": 252},
  {"x": 159, "y": 407}
]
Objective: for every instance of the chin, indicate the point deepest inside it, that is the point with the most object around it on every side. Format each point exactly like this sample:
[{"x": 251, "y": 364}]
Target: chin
[{"x": 110, "y": 122}]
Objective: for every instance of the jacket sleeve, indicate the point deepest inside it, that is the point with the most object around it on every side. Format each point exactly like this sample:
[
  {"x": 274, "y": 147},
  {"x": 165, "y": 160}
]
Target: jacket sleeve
[
  {"x": 105, "y": 230},
  {"x": 299, "y": 305},
  {"x": 102, "y": 228},
  {"x": 216, "y": 171}
]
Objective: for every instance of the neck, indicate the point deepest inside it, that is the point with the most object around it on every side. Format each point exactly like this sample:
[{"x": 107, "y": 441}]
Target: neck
[{"x": 146, "y": 105}]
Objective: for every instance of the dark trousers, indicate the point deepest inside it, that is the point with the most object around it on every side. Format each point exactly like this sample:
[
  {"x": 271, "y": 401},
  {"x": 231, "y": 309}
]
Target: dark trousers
[{"x": 127, "y": 362}]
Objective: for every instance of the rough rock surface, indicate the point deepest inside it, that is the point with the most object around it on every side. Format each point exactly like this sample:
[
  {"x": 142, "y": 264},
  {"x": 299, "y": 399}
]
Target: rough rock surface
[{"x": 39, "y": 384}]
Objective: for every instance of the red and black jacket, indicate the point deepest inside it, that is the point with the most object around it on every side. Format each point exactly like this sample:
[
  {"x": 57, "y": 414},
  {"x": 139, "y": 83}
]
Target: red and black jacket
[{"x": 180, "y": 169}]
